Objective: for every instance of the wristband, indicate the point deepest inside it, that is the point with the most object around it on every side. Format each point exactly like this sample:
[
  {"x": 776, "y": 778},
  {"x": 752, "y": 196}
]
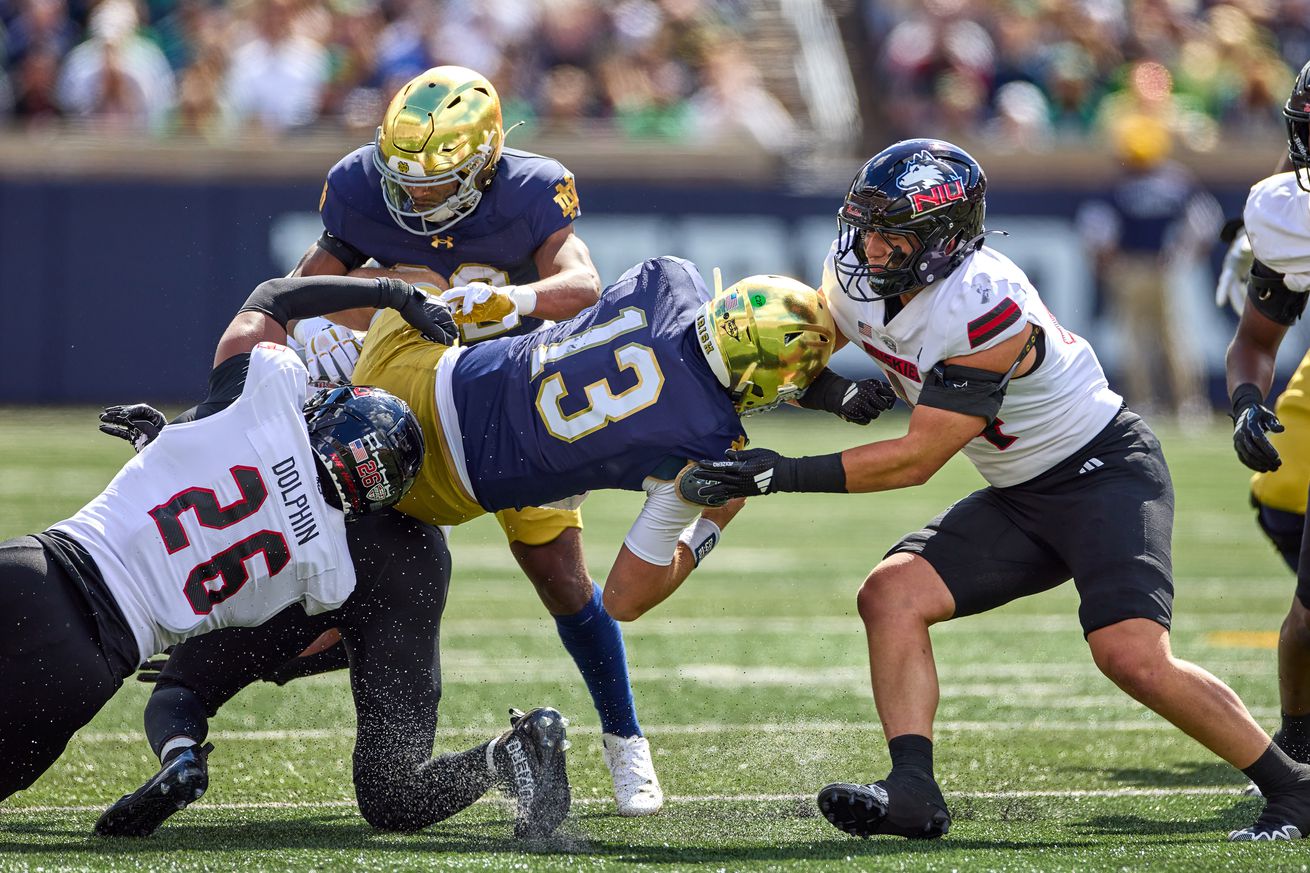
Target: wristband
[
  {"x": 817, "y": 473},
  {"x": 525, "y": 299},
  {"x": 701, "y": 536},
  {"x": 1244, "y": 395}
]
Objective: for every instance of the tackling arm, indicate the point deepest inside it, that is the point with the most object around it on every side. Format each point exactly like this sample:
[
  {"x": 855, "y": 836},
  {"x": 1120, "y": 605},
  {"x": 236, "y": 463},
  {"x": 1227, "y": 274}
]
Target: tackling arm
[
  {"x": 318, "y": 261},
  {"x": 1251, "y": 354}
]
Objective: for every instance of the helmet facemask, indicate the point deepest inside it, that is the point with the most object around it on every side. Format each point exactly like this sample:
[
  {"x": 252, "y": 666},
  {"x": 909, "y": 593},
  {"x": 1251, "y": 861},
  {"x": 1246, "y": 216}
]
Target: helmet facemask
[
  {"x": 1296, "y": 115},
  {"x": 399, "y": 189}
]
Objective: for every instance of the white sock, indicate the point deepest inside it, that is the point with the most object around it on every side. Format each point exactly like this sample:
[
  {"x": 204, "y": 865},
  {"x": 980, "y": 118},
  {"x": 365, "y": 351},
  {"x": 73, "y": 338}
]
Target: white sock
[{"x": 178, "y": 742}]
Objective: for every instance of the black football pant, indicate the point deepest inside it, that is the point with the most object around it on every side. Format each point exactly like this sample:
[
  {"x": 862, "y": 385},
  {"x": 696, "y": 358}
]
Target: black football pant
[
  {"x": 390, "y": 630},
  {"x": 54, "y": 675}
]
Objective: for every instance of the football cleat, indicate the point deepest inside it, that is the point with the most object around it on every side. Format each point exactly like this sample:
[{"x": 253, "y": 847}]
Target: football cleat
[
  {"x": 1285, "y": 816},
  {"x": 883, "y": 809},
  {"x": 179, "y": 783},
  {"x": 1263, "y": 830},
  {"x": 637, "y": 789},
  {"x": 529, "y": 760}
]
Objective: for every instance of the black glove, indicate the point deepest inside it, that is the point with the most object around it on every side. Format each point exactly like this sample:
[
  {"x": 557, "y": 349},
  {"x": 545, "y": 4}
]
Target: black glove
[
  {"x": 138, "y": 423},
  {"x": 1253, "y": 420},
  {"x": 857, "y": 402},
  {"x": 429, "y": 316},
  {"x": 746, "y": 473}
]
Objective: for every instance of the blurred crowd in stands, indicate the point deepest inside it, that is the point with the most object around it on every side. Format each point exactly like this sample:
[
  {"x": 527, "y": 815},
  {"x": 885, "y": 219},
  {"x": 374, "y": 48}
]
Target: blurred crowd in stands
[
  {"x": 642, "y": 68},
  {"x": 1017, "y": 74},
  {"x": 1031, "y": 74}
]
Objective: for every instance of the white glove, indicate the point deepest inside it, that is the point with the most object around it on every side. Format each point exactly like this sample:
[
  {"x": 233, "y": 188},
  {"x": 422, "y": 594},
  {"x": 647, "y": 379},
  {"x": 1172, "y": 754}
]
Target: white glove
[
  {"x": 1231, "y": 288},
  {"x": 331, "y": 350},
  {"x": 483, "y": 310}
]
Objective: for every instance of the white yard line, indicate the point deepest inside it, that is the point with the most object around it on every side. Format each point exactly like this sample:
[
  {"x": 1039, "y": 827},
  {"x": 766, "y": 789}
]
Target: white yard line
[
  {"x": 1206, "y": 791},
  {"x": 805, "y": 727}
]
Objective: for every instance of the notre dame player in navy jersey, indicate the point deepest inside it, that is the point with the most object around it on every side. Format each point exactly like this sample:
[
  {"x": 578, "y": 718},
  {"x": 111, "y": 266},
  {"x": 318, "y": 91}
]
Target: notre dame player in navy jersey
[
  {"x": 437, "y": 198},
  {"x": 619, "y": 397}
]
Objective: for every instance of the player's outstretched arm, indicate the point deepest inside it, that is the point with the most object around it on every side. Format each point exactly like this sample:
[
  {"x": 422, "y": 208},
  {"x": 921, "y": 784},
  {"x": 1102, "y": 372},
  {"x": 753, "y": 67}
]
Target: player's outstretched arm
[
  {"x": 276, "y": 302},
  {"x": 858, "y": 402},
  {"x": 1250, "y": 371},
  {"x": 319, "y": 260}
]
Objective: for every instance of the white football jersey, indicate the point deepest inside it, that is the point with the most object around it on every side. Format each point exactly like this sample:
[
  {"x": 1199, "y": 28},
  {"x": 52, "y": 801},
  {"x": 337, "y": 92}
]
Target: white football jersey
[
  {"x": 1047, "y": 414},
  {"x": 1277, "y": 218},
  {"x": 219, "y": 522}
]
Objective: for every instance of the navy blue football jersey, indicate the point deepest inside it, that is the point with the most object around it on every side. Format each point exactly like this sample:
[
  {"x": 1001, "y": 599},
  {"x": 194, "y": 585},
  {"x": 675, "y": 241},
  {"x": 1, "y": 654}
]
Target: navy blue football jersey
[
  {"x": 530, "y": 198},
  {"x": 620, "y": 392}
]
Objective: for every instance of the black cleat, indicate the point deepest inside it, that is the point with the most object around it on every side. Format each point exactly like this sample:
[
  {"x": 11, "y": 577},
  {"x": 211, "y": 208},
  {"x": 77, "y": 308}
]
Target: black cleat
[
  {"x": 180, "y": 782},
  {"x": 530, "y": 760},
  {"x": 883, "y": 808},
  {"x": 1286, "y": 815}
]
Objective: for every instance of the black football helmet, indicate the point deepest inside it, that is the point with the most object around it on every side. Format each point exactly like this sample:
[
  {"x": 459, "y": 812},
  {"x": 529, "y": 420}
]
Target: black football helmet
[
  {"x": 924, "y": 190},
  {"x": 369, "y": 443},
  {"x": 1296, "y": 114}
]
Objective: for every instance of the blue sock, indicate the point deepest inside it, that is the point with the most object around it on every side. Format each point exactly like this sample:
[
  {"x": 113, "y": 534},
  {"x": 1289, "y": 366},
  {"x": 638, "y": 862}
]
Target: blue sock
[{"x": 594, "y": 640}]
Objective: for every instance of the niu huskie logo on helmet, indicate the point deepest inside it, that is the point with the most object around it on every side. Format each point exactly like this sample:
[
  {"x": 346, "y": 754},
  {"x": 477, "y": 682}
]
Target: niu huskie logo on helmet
[{"x": 930, "y": 183}]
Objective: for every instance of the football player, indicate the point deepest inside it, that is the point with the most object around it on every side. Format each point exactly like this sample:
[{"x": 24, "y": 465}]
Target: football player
[
  {"x": 269, "y": 504},
  {"x": 1078, "y": 486},
  {"x": 1277, "y": 226},
  {"x": 618, "y": 397},
  {"x": 438, "y": 198}
]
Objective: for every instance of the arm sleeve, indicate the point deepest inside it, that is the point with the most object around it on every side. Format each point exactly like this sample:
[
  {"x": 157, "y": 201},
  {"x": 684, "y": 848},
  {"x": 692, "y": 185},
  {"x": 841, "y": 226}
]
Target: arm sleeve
[
  {"x": 653, "y": 537},
  {"x": 290, "y": 298}
]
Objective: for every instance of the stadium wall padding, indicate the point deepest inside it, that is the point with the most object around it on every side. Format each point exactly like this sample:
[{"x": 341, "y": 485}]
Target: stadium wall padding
[{"x": 117, "y": 290}]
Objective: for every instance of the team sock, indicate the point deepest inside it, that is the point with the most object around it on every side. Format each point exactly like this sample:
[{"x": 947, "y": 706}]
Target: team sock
[
  {"x": 174, "y": 712},
  {"x": 594, "y": 640},
  {"x": 1275, "y": 773},
  {"x": 1294, "y": 737},
  {"x": 912, "y": 766}
]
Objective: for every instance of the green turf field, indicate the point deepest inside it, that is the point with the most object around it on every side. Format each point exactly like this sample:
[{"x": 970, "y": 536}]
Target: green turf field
[{"x": 751, "y": 683}]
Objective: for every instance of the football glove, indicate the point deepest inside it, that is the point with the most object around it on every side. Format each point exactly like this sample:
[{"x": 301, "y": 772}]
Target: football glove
[
  {"x": 483, "y": 310},
  {"x": 1233, "y": 276},
  {"x": 138, "y": 423},
  {"x": 857, "y": 402},
  {"x": 745, "y": 473},
  {"x": 1253, "y": 421},
  {"x": 425, "y": 314},
  {"x": 331, "y": 350}
]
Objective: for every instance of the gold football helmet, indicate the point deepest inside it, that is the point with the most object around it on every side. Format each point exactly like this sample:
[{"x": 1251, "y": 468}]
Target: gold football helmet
[
  {"x": 437, "y": 148},
  {"x": 765, "y": 338}
]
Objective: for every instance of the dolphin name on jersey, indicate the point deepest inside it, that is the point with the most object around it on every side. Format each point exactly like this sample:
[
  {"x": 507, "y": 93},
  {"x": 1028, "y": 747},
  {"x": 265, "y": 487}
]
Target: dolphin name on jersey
[{"x": 300, "y": 513}]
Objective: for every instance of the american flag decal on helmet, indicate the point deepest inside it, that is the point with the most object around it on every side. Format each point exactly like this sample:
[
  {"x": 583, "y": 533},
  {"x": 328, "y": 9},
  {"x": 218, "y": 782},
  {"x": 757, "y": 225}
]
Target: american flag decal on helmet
[{"x": 996, "y": 320}]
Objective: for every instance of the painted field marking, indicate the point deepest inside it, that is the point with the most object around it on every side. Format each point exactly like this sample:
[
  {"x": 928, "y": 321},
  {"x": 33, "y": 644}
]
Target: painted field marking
[
  {"x": 1243, "y": 639},
  {"x": 807, "y": 727},
  {"x": 1200, "y": 791}
]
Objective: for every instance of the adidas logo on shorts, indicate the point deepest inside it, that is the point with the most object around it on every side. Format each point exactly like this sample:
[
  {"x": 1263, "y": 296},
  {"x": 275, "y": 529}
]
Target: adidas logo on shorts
[{"x": 1092, "y": 464}]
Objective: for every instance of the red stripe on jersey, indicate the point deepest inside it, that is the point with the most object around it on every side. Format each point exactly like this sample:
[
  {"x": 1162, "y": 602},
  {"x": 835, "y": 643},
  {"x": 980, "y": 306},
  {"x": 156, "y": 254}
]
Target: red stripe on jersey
[{"x": 986, "y": 326}]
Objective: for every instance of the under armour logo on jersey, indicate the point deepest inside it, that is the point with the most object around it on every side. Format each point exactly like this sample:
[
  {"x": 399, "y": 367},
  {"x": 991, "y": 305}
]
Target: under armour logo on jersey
[
  {"x": 439, "y": 241},
  {"x": 764, "y": 480},
  {"x": 1090, "y": 465}
]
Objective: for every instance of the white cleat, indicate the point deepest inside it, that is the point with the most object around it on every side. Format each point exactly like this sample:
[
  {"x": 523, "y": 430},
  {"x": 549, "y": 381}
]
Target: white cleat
[
  {"x": 1252, "y": 790},
  {"x": 636, "y": 787}
]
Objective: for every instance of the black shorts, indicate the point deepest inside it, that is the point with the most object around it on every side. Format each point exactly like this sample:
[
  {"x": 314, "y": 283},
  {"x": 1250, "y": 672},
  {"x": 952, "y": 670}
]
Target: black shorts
[
  {"x": 1103, "y": 517},
  {"x": 1285, "y": 530}
]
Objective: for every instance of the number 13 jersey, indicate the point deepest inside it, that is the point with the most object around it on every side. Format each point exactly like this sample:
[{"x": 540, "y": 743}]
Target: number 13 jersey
[
  {"x": 620, "y": 392},
  {"x": 1060, "y": 404},
  {"x": 219, "y": 522}
]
